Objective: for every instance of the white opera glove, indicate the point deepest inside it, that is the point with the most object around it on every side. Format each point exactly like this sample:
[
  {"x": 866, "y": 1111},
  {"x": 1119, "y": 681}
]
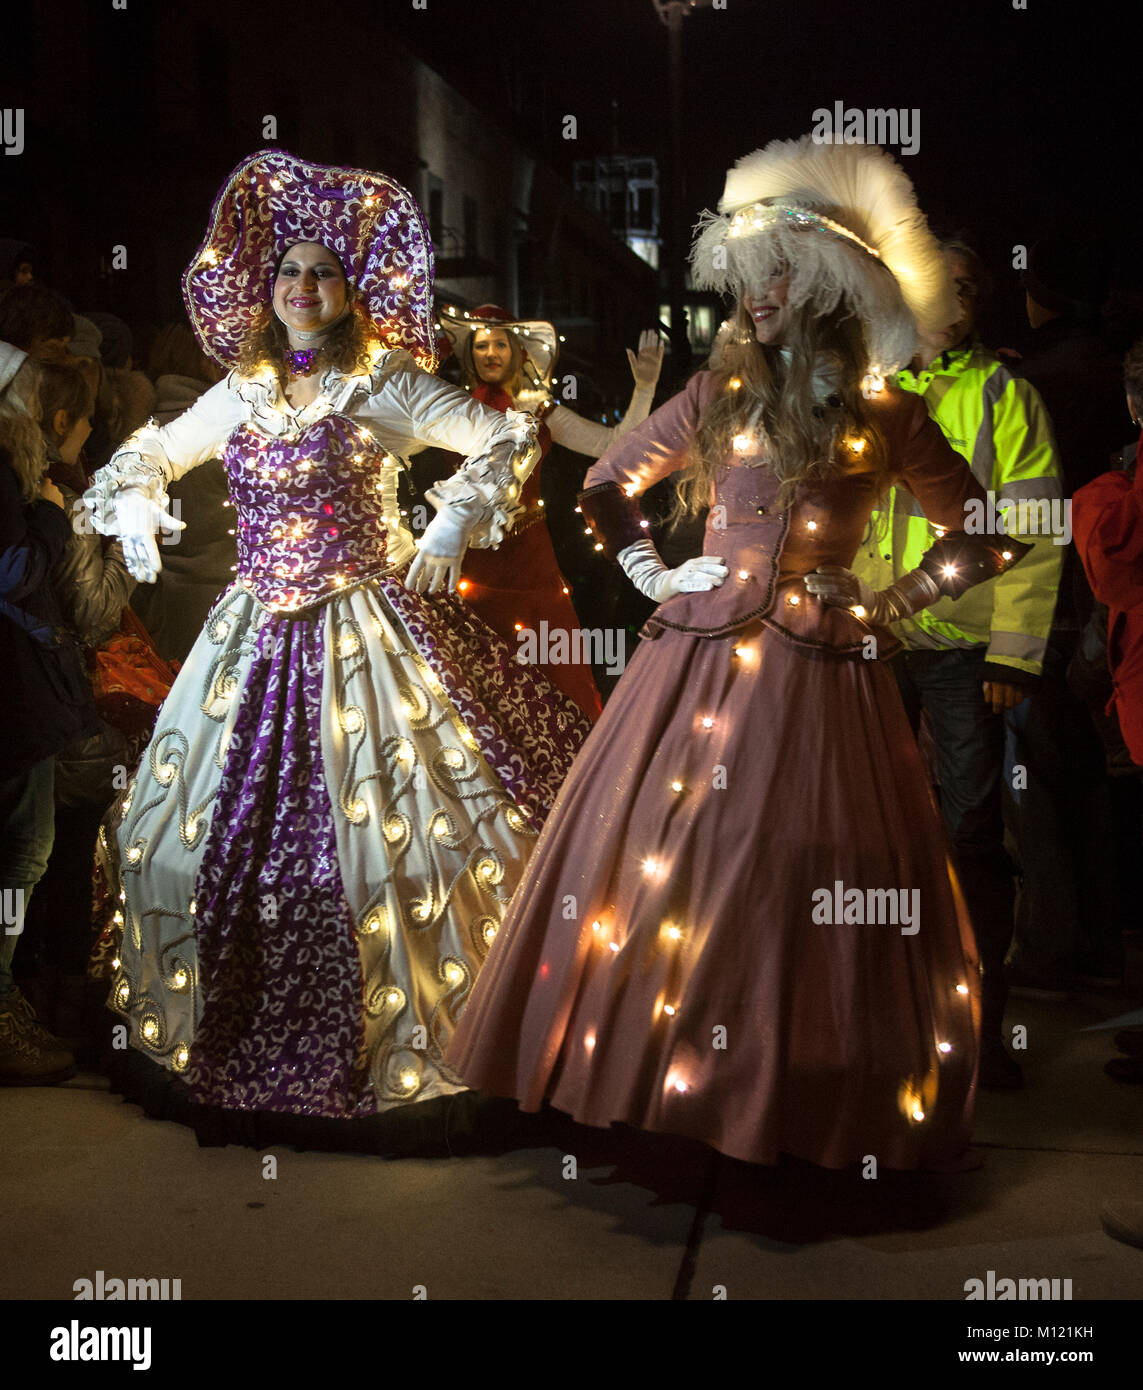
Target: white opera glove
[
  {"x": 841, "y": 588},
  {"x": 440, "y": 552},
  {"x": 137, "y": 517},
  {"x": 643, "y": 566},
  {"x": 646, "y": 366}
]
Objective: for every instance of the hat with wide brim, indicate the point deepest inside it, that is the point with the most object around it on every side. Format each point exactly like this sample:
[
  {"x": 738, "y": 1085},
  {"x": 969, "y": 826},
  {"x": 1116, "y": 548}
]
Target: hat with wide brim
[
  {"x": 539, "y": 340},
  {"x": 273, "y": 201},
  {"x": 843, "y": 221}
]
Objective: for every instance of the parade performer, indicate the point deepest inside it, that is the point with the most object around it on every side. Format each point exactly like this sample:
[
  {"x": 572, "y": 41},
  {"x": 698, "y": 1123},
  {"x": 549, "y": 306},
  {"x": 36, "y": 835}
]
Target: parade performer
[
  {"x": 350, "y": 771},
  {"x": 740, "y": 924},
  {"x": 509, "y": 364}
]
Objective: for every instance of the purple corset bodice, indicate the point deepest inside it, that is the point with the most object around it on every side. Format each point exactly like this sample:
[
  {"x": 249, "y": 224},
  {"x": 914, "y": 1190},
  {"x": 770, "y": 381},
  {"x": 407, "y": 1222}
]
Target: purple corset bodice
[{"x": 310, "y": 515}]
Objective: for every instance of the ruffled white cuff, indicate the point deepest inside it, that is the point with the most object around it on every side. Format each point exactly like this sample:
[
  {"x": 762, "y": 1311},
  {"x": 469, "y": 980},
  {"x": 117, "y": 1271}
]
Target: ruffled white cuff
[
  {"x": 484, "y": 494},
  {"x": 126, "y": 469}
]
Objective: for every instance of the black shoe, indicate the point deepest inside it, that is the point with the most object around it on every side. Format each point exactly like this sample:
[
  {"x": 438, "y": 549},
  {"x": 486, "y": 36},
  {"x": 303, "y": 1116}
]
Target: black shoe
[{"x": 999, "y": 1071}]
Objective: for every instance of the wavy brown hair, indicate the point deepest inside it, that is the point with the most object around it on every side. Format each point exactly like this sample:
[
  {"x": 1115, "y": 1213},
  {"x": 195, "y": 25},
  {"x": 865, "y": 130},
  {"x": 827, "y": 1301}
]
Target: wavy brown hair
[
  {"x": 20, "y": 433},
  {"x": 513, "y": 380},
  {"x": 266, "y": 345},
  {"x": 808, "y": 441}
]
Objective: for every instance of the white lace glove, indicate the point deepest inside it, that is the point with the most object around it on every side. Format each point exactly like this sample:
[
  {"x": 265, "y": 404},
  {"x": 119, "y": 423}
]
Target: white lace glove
[
  {"x": 440, "y": 551},
  {"x": 137, "y": 517},
  {"x": 841, "y": 588},
  {"x": 645, "y": 569}
]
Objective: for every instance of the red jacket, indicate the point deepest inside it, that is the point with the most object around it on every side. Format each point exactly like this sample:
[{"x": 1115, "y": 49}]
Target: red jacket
[{"x": 1107, "y": 525}]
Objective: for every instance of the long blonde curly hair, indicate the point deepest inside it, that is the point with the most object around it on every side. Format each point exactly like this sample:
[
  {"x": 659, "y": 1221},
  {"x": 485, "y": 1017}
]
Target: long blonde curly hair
[
  {"x": 773, "y": 394},
  {"x": 20, "y": 432}
]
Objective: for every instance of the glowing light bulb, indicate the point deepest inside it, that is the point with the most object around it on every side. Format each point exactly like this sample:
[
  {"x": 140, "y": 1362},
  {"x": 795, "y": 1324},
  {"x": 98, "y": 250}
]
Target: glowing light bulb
[
  {"x": 744, "y": 574},
  {"x": 734, "y": 383},
  {"x": 944, "y": 1047},
  {"x": 408, "y": 1079},
  {"x": 857, "y": 445},
  {"x": 675, "y": 933},
  {"x": 811, "y": 526},
  {"x": 393, "y": 997},
  {"x": 918, "y": 1115},
  {"x": 708, "y": 722},
  {"x": 349, "y": 644},
  {"x": 962, "y": 989},
  {"x": 134, "y": 854},
  {"x": 613, "y": 945},
  {"x": 948, "y": 571},
  {"x": 669, "y": 1009},
  {"x": 858, "y": 610},
  {"x": 794, "y": 600},
  {"x": 676, "y": 787},
  {"x": 179, "y": 979},
  {"x": 1006, "y": 555},
  {"x": 453, "y": 973},
  {"x": 743, "y": 444}
]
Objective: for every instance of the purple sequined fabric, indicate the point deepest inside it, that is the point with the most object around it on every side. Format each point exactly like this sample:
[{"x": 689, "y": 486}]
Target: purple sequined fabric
[
  {"x": 281, "y": 1026},
  {"x": 526, "y": 729},
  {"x": 307, "y": 515}
]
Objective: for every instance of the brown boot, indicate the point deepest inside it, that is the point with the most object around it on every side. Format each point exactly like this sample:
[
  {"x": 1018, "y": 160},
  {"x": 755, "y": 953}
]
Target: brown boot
[{"x": 29, "y": 1055}]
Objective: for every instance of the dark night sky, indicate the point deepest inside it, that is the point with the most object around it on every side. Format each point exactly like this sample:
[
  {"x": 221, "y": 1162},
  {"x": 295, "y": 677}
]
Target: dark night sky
[{"x": 1026, "y": 116}]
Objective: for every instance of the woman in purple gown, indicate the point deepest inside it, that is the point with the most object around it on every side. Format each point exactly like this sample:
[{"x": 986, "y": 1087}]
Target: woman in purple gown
[
  {"x": 349, "y": 773},
  {"x": 740, "y": 923}
]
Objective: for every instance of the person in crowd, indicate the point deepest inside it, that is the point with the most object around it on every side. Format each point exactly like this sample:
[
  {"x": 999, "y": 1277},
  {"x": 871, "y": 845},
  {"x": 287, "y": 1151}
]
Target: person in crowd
[
  {"x": 508, "y": 364},
  {"x": 1067, "y": 815},
  {"x": 199, "y": 564},
  {"x": 47, "y": 702},
  {"x": 37, "y": 320},
  {"x": 17, "y": 263},
  {"x": 968, "y": 661},
  {"x": 92, "y": 585},
  {"x": 679, "y": 956}
]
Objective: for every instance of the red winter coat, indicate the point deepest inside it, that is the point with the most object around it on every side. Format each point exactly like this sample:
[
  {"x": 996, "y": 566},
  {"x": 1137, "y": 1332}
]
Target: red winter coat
[{"x": 1107, "y": 525}]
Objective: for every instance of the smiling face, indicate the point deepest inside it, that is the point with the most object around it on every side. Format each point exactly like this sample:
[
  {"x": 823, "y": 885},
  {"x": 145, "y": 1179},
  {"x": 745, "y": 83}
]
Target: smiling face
[
  {"x": 310, "y": 290},
  {"x": 492, "y": 355},
  {"x": 769, "y": 309}
]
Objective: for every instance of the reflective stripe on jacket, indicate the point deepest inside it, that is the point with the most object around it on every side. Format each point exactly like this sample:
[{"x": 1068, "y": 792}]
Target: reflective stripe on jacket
[{"x": 999, "y": 424}]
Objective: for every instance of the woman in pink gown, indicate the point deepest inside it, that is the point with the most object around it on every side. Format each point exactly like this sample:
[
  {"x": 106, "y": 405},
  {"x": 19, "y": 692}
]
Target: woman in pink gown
[{"x": 740, "y": 923}]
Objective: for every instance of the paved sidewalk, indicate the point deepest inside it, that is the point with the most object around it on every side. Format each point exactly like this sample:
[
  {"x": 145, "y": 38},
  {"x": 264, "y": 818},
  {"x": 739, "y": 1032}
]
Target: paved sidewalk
[{"x": 103, "y": 1188}]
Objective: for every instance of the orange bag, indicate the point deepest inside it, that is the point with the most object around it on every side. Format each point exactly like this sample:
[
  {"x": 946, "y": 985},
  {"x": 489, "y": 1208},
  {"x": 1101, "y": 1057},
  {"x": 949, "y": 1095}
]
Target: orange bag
[{"x": 128, "y": 664}]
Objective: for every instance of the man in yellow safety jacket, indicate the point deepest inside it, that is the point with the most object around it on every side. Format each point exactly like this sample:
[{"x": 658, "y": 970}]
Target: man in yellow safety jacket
[{"x": 969, "y": 660}]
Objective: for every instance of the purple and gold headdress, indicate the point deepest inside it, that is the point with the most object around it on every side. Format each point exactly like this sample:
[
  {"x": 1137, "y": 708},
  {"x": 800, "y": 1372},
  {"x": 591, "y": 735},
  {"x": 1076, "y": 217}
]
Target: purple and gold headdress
[{"x": 273, "y": 201}]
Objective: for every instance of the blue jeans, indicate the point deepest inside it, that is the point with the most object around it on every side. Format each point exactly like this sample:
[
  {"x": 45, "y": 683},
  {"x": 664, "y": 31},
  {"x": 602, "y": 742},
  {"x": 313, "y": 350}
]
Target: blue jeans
[
  {"x": 969, "y": 742},
  {"x": 27, "y": 829}
]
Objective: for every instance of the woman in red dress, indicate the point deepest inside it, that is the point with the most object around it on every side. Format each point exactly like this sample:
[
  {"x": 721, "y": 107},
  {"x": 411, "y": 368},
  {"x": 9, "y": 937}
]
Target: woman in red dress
[{"x": 518, "y": 586}]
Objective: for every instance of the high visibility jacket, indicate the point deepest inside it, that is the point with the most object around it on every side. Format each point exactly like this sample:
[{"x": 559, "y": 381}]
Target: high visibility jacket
[{"x": 999, "y": 424}]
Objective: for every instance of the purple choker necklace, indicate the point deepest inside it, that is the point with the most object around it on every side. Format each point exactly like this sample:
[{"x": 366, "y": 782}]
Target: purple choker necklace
[{"x": 302, "y": 363}]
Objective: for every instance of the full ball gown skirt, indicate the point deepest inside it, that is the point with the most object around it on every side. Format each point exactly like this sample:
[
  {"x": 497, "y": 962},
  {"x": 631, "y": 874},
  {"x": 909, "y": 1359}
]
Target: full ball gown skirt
[
  {"x": 340, "y": 795},
  {"x": 681, "y": 955}
]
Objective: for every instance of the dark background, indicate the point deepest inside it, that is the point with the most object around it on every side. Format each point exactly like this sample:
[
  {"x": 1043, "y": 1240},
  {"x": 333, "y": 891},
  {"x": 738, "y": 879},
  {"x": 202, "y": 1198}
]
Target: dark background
[{"x": 1027, "y": 116}]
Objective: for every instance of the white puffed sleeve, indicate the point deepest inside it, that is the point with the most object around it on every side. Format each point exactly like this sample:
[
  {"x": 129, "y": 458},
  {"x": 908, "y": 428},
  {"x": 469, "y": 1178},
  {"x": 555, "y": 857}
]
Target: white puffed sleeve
[
  {"x": 500, "y": 450},
  {"x": 154, "y": 455},
  {"x": 588, "y": 437}
]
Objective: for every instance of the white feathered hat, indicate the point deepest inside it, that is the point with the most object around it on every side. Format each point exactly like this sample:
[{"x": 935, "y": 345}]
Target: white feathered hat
[{"x": 844, "y": 218}]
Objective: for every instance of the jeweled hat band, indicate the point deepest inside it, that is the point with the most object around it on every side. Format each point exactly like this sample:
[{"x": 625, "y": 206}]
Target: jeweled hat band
[{"x": 757, "y": 217}]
